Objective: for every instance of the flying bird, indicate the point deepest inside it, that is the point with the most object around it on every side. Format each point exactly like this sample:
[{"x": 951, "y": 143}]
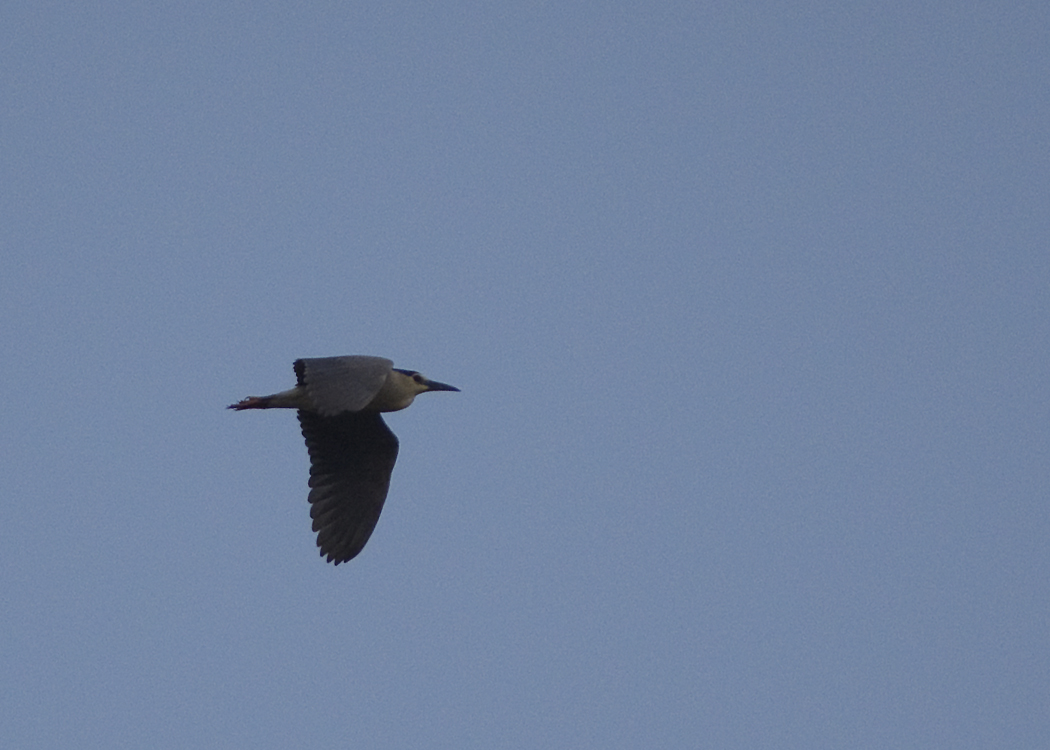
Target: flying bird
[{"x": 352, "y": 451}]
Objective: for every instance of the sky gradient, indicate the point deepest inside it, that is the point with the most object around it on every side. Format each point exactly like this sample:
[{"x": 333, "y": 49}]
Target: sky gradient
[{"x": 749, "y": 304}]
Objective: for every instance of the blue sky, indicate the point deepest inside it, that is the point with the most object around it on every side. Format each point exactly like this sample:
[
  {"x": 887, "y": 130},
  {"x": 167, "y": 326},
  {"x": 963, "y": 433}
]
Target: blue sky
[{"x": 749, "y": 304}]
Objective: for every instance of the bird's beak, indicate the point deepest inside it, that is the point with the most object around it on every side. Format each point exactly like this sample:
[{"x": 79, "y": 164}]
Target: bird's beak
[{"x": 433, "y": 385}]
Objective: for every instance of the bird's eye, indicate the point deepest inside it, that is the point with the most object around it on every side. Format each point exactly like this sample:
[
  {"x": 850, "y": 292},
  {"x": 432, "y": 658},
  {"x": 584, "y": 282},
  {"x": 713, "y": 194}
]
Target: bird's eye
[{"x": 418, "y": 378}]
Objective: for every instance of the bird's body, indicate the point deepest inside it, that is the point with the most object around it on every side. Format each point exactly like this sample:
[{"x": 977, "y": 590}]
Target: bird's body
[{"x": 352, "y": 451}]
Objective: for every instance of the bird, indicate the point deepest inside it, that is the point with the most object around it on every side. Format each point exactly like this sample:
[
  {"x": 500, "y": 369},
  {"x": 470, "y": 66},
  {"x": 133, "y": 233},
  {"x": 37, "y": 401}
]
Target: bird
[{"x": 352, "y": 451}]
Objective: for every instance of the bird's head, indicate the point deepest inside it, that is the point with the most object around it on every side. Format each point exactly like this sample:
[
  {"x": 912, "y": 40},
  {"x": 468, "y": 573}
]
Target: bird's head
[
  {"x": 419, "y": 383},
  {"x": 401, "y": 388}
]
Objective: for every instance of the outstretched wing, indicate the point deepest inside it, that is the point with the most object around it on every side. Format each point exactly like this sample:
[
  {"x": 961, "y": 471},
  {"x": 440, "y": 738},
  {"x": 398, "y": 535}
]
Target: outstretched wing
[
  {"x": 351, "y": 458},
  {"x": 338, "y": 384}
]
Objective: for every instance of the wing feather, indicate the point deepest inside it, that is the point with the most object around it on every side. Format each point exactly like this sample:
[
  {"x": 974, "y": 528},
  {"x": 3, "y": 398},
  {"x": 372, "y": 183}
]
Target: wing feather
[
  {"x": 340, "y": 384},
  {"x": 351, "y": 459}
]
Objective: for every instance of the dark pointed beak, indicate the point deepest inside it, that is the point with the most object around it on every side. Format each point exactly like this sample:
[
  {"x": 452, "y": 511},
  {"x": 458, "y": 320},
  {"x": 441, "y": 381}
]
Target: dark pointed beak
[{"x": 433, "y": 385}]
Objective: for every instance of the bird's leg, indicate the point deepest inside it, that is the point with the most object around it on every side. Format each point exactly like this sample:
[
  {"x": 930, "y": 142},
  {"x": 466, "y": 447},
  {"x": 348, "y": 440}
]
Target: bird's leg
[
  {"x": 292, "y": 399},
  {"x": 251, "y": 402}
]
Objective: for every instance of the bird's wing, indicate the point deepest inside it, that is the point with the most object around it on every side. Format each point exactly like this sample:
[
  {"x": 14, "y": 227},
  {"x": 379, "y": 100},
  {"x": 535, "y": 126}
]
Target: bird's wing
[
  {"x": 338, "y": 384},
  {"x": 351, "y": 458}
]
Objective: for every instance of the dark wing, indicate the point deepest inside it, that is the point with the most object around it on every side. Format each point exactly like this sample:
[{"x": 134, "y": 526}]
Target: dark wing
[
  {"x": 351, "y": 458},
  {"x": 338, "y": 384}
]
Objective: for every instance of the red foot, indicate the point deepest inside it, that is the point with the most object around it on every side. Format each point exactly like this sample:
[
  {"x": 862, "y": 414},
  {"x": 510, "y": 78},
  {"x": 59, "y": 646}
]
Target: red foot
[{"x": 252, "y": 402}]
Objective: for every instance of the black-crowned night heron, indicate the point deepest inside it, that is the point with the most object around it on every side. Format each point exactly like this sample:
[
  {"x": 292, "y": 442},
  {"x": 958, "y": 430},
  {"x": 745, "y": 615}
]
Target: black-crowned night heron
[{"x": 352, "y": 451}]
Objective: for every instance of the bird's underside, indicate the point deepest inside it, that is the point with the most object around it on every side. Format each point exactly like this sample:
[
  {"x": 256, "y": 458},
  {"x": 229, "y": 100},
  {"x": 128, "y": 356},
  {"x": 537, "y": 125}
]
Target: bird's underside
[{"x": 351, "y": 458}]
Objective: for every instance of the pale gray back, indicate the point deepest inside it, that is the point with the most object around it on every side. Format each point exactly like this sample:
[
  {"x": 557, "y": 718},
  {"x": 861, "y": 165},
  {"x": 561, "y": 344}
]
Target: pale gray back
[{"x": 336, "y": 385}]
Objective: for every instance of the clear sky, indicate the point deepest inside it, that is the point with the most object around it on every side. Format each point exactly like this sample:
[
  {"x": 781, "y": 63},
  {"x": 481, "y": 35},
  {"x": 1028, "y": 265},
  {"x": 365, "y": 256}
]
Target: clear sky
[{"x": 749, "y": 303}]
